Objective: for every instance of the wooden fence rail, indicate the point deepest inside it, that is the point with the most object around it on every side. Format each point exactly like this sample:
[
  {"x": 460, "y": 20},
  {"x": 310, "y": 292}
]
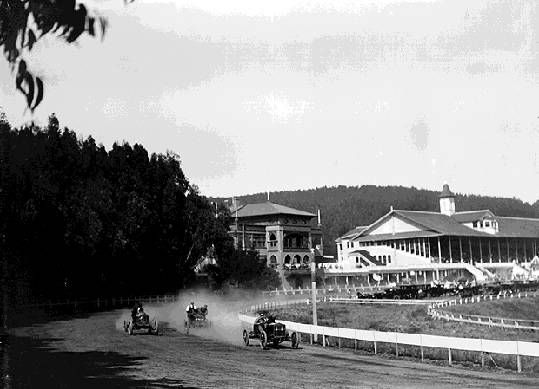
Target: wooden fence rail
[{"x": 491, "y": 321}]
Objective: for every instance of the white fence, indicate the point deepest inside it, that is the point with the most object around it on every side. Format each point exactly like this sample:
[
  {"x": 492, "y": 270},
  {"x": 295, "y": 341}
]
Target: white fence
[
  {"x": 490, "y": 321},
  {"x": 379, "y": 301},
  {"x": 484, "y": 346}
]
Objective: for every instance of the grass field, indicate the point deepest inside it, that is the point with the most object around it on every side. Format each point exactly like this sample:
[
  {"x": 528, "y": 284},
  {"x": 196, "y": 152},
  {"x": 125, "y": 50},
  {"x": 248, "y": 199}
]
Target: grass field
[{"x": 414, "y": 319}]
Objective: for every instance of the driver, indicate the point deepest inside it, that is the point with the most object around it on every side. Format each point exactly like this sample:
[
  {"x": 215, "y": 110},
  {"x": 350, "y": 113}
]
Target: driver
[
  {"x": 204, "y": 310},
  {"x": 190, "y": 310},
  {"x": 140, "y": 310},
  {"x": 135, "y": 311},
  {"x": 261, "y": 319}
]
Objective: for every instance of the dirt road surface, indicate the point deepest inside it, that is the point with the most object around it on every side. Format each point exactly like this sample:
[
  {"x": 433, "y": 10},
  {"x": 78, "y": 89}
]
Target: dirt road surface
[{"x": 91, "y": 352}]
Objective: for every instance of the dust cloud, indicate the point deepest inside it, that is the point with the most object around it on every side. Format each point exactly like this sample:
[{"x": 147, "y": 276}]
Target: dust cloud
[{"x": 223, "y": 312}]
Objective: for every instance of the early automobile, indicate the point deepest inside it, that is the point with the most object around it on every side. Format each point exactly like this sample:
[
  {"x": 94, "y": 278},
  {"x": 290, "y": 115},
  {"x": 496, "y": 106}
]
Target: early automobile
[
  {"x": 141, "y": 322},
  {"x": 197, "y": 319},
  {"x": 268, "y": 331}
]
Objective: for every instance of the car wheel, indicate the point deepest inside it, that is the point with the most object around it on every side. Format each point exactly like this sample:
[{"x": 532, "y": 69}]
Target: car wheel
[
  {"x": 263, "y": 339},
  {"x": 245, "y": 338},
  {"x": 295, "y": 340}
]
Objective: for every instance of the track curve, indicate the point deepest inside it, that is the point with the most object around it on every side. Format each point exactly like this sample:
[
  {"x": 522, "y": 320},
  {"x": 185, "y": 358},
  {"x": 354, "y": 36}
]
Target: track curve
[{"x": 174, "y": 359}]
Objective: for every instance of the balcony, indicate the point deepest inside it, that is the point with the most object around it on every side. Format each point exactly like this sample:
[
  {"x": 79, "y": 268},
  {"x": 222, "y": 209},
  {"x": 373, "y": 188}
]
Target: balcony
[
  {"x": 297, "y": 267},
  {"x": 296, "y": 248}
]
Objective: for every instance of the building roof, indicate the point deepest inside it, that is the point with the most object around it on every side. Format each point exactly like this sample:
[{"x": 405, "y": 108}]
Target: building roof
[
  {"x": 471, "y": 216},
  {"x": 438, "y": 222},
  {"x": 400, "y": 235},
  {"x": 267, "y": 208},
  {"x": 518, "y": 227},
  {"x": 351, "y": 234}
]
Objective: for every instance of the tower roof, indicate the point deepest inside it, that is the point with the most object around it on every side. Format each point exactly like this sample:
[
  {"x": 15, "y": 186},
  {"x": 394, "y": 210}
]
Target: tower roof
[{"x": 446, "y": 192}]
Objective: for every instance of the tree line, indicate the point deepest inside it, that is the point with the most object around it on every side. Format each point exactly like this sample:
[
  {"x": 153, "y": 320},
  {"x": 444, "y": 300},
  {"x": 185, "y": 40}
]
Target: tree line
[
  {"x": 78, "y": 221},
  {"x": 345, "y": 207}
]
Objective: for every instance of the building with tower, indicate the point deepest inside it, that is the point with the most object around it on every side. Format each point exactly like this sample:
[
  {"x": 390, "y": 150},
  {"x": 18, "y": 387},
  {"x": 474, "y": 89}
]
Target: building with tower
[
  {"x": 289, "y": 239},
  {"x": 420, "y": 246}
]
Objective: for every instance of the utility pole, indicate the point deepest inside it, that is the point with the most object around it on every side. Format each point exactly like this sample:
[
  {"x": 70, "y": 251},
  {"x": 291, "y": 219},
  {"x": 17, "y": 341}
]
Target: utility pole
[
  {"x": 313, "y": 294},
  {"x": 5, "y": 287}
]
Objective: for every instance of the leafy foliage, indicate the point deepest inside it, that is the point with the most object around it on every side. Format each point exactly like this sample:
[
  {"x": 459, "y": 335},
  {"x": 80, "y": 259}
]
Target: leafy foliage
[
  {"x": 242, "y": 268},
  {"x": 82, "y": 221},
  {"x": 24, "y": 22}
]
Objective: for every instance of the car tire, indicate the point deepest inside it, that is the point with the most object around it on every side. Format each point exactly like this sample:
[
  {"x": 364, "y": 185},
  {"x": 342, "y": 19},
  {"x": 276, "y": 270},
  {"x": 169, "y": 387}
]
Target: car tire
[
  {"x": 245, "y": 338},
  {"x": 295, "y": 339},
  {"x": 263, "y": 340}
]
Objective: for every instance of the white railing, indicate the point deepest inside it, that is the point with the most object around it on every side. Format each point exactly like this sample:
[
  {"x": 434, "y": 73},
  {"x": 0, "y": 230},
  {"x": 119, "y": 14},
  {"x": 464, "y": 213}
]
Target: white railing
[
  {"x": 379, "y": 301},
  {"x": 515, "y": 348},
  {"x": 491, "y": 321}
]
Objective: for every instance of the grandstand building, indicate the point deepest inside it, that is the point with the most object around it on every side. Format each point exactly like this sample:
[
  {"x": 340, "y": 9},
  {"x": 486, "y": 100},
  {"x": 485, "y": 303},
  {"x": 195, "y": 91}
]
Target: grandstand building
[{"x": 420, "y": 247}]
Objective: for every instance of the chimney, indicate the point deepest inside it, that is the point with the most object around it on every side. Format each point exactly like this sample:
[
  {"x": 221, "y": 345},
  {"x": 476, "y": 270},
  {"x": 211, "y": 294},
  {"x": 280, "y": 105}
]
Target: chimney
[{"x": 447, "y": 201}]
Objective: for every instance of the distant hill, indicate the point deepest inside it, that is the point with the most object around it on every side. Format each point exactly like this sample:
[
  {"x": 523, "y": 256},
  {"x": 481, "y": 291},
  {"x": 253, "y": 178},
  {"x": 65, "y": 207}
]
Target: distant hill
[{"x": 344, "y": 207}]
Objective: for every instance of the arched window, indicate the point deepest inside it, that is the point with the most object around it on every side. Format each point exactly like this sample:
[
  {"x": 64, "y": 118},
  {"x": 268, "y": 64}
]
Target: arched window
[
  {"x": 305, "y": 259},
  {"x": 273, "y": 259},
  {"x": 287, "y": 259},
  {"x": 297, "y": 259},
  {"x": 272, "y": 240}
]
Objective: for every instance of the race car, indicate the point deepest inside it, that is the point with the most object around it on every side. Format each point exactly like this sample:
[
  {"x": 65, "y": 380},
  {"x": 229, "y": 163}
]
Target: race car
[
  {"x": 267, "y": 331},
  {"x": 141, "y": 321},
  {"x": 197, "y": 318}
]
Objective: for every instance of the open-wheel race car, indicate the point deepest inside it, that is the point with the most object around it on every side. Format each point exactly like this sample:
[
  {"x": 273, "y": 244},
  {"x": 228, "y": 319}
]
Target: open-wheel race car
[
  {"x": 196, "y": 319},
  {"x": 268, "y": 331},
  {"x": 141, "y": 322}
]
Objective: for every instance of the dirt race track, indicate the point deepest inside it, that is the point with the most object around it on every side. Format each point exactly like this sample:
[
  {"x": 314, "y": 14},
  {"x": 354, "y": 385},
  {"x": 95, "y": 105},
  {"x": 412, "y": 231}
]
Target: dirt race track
[{"x": 91, "y": 352}]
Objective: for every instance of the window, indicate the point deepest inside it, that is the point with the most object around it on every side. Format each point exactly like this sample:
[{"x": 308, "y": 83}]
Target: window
[
  {"x": 340, "y": 246},
  {"x": 297, "y": 259},
  {"x": 273, "y": 259},
  {"x": 487, "y": 223},
  {"x": 287, "y": 259},
  {"x": 389, "y": 259},
  {"x": 305, "y": 259}
]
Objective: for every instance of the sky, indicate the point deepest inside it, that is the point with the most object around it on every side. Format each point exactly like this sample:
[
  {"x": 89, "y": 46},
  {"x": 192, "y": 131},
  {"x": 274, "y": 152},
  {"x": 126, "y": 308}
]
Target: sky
[{"x": 288, "y": 94}]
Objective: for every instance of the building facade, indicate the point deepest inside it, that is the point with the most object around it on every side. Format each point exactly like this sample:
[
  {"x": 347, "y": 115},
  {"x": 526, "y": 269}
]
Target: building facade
[
  {"x": 289, "y": 239},
  {"x": 419, "y": 246}
]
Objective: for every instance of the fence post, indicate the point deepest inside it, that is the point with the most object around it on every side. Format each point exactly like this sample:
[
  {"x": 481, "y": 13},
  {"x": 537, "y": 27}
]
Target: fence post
[
  {"x": 339, "y": 342},
  {"x": 519, "y": 362},
  {"x": 374, "y": 338},
  {"x": 396, "y": 345},
  {"x": 450, "y": 358},
  {"x": 482, "y": 354},
  {"x": 310, "y": 338},
  {"x": 355, "y": 344},
  {"x": 421, "y": 345},
  {"x": 323, "y": 340}
]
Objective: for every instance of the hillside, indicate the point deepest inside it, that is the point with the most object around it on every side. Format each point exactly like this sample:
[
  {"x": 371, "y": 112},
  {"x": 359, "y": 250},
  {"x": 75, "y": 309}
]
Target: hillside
[{"x": 344, "y": 207}]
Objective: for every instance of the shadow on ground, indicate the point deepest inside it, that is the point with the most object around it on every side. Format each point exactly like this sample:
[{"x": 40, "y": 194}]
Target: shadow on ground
[{"x": 34, "y": 363}]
